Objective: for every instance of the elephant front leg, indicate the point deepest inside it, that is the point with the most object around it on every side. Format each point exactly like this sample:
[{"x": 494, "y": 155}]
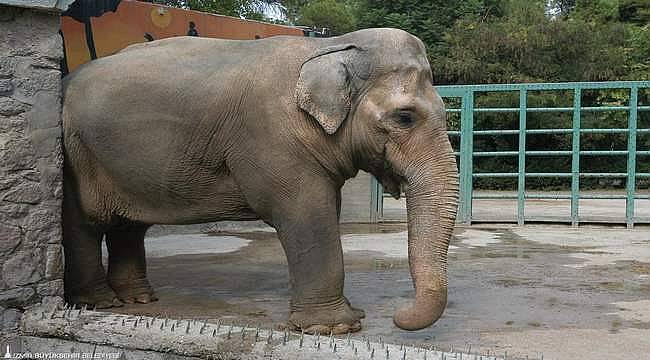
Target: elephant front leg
[{"x": 309, "y": 233}]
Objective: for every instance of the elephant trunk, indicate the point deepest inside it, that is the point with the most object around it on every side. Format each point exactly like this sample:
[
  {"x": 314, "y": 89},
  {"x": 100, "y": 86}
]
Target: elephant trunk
[{"x": 431, "y": 201}]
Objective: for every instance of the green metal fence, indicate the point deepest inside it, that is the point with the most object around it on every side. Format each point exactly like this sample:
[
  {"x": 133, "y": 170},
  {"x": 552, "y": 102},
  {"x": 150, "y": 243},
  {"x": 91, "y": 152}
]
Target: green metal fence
[{"x": 467, "y": 95}]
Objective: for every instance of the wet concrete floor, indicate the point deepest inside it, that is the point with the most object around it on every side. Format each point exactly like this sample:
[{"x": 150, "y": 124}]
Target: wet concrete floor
[{"x": 562, "y": 292}]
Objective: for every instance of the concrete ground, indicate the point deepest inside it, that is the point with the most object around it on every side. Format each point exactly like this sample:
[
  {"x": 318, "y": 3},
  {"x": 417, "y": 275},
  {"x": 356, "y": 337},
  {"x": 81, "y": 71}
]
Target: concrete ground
[{"x": 566, "y": 293}]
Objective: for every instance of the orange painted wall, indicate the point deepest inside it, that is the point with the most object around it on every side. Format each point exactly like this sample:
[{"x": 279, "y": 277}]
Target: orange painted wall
[{"x": 114, "y": 31}]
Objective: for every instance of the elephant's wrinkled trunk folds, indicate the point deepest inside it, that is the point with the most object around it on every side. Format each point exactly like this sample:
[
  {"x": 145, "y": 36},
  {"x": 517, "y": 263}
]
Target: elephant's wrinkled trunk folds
[{"x": 431, "y": 201}]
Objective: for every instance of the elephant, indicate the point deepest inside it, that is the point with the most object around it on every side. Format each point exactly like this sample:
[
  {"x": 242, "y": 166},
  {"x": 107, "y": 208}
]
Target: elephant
[{"x": 190, "y": 130}]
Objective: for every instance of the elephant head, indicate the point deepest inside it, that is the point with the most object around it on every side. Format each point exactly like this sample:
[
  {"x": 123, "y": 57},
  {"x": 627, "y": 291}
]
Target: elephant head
[{"x": 372, "y": 91}]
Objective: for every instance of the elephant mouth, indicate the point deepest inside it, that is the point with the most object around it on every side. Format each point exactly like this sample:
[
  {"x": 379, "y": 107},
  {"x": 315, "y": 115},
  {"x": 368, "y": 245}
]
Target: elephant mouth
[{"x": 391, "y": 182}]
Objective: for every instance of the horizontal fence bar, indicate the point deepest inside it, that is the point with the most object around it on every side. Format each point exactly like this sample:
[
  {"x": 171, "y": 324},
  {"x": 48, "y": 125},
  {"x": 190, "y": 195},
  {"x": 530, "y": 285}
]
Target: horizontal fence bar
[
  {"x": 596, "y": 175},
  {"x": 558, "y": 196},
  {"x": 558, "y": 153},
  {"x": 546, "y": 196},
  {"x": 455, "y": 90},
  {"x": 549, "y": 131},
  {"x": 553, "y": 109}
]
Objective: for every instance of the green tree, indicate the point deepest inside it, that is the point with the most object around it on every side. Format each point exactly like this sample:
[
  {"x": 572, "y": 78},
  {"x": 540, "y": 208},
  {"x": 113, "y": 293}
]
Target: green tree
[
  {"x": 248, "y": 9},
  {"x": 331, "y": 14},
  {"x": 634, "y": 11}
]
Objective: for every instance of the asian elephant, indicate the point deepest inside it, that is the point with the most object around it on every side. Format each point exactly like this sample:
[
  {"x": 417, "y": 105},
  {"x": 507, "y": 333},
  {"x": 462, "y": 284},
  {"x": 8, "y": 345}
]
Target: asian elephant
[{"x": 189, "y": 130}]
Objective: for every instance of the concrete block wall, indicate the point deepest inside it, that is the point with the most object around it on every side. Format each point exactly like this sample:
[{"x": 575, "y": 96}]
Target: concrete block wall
[
  {"x": 356, "y": 199},
  {"x": 31, "y": 161}
]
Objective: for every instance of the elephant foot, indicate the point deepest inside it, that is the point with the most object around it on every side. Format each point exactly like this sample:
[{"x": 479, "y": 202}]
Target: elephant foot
[
  {"x": 337, "y": 318},
  {"x": 132, "y": 291},
  {"x": 102, "y": 297}
]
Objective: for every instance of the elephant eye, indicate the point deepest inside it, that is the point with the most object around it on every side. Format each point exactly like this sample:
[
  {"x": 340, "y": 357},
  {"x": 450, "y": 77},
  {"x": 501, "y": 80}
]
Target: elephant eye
[{"x": 405, "y": 119}]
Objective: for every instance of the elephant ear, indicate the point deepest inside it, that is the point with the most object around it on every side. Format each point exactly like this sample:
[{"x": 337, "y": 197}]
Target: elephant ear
[{"x": 326, "y": 85}]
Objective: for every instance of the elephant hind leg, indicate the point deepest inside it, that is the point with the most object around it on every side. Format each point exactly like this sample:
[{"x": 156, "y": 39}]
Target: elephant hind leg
[
  {"x": 127, "y": 267},
  {"x": 85, "y": 278}
]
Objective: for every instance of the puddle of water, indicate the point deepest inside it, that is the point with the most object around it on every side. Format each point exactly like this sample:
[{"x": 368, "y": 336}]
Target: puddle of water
[
  {"x": 605, "y": 246},
  {"x": 478, "y": 238},
  {"x": 192, "y": 244},
  {"x": 390, "y": 244}
]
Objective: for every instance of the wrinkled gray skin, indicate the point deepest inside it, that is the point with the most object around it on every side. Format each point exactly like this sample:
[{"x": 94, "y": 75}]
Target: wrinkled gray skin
[{"x": 189, "y": 130}]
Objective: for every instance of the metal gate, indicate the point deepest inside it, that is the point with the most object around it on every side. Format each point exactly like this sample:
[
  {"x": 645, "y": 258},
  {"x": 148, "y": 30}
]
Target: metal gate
[{"x": 467, "y": 95}]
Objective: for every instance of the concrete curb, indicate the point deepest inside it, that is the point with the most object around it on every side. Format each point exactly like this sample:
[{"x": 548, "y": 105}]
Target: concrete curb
[{"x": 191, "y": 338}]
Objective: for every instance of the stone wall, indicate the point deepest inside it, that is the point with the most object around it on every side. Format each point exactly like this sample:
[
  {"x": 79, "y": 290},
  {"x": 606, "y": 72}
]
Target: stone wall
[{"x": 30, "y": 162}]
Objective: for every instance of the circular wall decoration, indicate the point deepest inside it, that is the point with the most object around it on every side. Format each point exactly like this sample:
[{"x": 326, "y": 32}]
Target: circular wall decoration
[{"x": 161, "y": 17}]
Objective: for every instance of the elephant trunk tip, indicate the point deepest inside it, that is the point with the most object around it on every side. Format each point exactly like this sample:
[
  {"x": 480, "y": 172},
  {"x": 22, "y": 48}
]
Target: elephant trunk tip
[{"x": 423, "y": 313}]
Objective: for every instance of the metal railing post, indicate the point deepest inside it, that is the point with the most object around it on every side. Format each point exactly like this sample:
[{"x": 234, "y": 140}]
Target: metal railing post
[
  {"x": 631, "y": 157},
  {"x": 466, "y": 153},
  {"x": 575, "y": 158},
  {"x": 376, "y": 200},
  {"x": 521, "y": 181}
]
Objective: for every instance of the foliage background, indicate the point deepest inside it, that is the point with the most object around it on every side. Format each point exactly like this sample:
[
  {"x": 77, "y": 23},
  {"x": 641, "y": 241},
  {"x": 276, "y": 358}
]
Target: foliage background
[{"x": 507, "y": 41}]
